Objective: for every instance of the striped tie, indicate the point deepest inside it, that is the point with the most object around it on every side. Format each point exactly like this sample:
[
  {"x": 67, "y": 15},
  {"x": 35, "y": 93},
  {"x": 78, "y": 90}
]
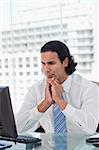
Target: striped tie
[{"x": 59, "y": 120}]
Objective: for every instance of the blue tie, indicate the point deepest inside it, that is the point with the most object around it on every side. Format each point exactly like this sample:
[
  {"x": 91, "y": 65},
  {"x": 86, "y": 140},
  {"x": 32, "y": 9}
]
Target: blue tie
[{"x": 59, "y": 120}]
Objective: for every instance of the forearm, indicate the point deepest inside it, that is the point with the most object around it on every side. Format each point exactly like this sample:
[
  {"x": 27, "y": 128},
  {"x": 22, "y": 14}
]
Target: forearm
[
  {"x": 85, "y": 120},
  {"x": 62, "y": 103},
  {"x": 28, "y": 119},
  {"x": 44, "y": 105}
]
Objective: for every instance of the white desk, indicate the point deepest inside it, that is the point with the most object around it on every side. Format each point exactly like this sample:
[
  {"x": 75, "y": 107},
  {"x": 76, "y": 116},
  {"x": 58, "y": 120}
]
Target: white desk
[{"x": 74, "y": 141}]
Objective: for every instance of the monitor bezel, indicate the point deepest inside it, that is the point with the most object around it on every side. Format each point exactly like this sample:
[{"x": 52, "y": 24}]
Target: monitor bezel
[{"x": 7, "y": 120}]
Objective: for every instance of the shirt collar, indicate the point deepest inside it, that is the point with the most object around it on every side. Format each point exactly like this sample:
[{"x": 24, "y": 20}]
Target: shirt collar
[{"x": 67, "y": 83}]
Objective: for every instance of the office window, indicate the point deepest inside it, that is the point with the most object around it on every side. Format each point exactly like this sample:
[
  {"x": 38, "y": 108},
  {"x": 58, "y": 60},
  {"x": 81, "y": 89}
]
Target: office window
[
  {"x": 6, "y": 60},
  {"x": 35, "y": 65},
  {"x": 28, "y": 73},
  {"x": 20, "y": 59},
  {"x": 27, "y": 25},
  {"x": 21, "y": 73},
  {"x": 27, "y": 59},
  {"x": 20, "y": 65},
  {"x": 6, "y": 66},
  {"x": 35, "y": 73},
  {"x": 27, "y": 65},
  {"x": 7, "y": 74}
]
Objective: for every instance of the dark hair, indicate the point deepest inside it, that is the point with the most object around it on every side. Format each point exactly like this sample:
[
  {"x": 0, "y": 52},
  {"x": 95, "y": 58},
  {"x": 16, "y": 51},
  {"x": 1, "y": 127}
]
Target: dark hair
[{"x": 62, "y": 50}]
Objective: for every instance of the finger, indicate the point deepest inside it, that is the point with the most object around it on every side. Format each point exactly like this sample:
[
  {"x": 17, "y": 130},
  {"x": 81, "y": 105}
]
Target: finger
[
  {"x": 51, "y": 81},
  {"x": 55, "y": 80}
]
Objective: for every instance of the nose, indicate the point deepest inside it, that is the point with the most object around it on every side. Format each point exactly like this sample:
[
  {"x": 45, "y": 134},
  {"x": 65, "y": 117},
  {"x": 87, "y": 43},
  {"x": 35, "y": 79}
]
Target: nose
[{"x": 46, "y": 68}]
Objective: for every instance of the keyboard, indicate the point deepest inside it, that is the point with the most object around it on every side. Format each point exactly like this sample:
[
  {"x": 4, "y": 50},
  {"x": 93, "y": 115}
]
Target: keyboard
[
  {"x": 93, "y": 141},
  {"x": 28, "y": 139},
  {"x": 23, "y": 139},
  {"x": 4, "y": 145}
]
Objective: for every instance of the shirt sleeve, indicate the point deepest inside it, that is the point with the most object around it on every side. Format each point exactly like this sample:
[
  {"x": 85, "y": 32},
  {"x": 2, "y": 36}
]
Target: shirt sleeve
[
  {"x": 86, "y": 116},
  {"x": 28, "y": 115}
]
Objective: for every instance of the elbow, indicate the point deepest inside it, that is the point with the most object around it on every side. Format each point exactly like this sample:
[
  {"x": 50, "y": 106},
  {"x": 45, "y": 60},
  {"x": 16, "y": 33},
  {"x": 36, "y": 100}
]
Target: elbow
[{"x": 91, "y": 129}]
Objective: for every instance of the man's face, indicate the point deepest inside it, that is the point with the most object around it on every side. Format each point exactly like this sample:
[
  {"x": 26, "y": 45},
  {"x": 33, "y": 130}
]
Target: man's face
[{"x": 52, "y": 66}]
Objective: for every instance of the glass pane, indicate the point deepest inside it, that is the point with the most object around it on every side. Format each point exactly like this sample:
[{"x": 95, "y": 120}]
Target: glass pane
[{"x": 26, "y": 25}]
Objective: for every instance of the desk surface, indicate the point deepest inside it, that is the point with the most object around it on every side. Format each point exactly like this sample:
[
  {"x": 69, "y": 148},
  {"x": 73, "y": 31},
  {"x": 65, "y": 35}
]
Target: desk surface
[{"x": 73, "y": 141}]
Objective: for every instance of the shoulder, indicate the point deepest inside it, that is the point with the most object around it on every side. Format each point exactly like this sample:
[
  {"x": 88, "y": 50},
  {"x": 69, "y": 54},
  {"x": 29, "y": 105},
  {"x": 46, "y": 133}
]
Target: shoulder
[
  {"x": 79, "y": 80},
  {"x": 36, "y": 88},
  {"x": 38, "y": 83}
]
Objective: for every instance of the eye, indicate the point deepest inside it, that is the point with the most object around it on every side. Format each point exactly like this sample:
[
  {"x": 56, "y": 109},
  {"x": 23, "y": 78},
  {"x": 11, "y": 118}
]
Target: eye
[
  {"x": 51, "y": 62},
  {"x": 42, "y": 63}
]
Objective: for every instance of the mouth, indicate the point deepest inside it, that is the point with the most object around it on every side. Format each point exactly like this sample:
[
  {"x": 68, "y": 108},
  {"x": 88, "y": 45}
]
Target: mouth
[{"x": 49, "y": 75}]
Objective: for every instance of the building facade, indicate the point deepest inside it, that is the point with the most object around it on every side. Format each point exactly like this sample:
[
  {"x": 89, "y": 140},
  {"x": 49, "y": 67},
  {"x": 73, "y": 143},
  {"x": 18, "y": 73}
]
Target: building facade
[{"x": 20, "y": 59}]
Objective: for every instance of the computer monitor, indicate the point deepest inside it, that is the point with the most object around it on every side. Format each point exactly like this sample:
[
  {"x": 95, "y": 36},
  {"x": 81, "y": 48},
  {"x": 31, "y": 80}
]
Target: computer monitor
[
  {"x": 8, "y": 130},
  {"x": 7, "y": 121}
]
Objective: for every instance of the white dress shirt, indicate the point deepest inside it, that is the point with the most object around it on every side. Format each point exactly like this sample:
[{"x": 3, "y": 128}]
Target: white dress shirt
[{"x": 81, "y": 111}]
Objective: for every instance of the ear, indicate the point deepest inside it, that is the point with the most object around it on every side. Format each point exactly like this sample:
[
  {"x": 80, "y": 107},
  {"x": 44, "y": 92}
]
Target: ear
[{"x": 65, "y": 62}]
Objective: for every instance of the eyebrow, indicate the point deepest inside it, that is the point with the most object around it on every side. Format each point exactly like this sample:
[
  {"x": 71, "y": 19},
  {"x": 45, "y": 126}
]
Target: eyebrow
[{"x": 49, "y": 62}]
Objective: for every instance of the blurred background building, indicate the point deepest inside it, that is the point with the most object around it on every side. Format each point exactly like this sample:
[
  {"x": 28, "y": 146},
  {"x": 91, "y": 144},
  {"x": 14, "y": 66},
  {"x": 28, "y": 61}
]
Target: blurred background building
[{"x": 30, "y": 24}]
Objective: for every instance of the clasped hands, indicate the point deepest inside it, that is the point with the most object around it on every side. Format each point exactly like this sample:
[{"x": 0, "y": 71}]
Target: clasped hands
[
  {"x": 53, "y": 90},
  {"x": 53, "y": 94}
]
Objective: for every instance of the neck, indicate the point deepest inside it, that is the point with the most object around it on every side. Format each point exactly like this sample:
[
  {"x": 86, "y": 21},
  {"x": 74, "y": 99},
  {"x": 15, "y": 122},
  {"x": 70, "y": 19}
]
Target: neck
[{"x": 64, "y": 79}]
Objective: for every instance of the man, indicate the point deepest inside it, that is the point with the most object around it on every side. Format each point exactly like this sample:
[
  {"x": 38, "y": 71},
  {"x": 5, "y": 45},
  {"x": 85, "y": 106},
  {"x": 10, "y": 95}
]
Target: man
[{"x": 75, "y": 96}]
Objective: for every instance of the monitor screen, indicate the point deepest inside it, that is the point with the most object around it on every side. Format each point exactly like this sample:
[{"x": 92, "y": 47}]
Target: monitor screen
[{"x": 7, "y": 121}]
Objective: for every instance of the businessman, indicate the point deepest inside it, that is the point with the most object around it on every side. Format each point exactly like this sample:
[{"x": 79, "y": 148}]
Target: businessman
[{"x": 62, "y": 101}]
